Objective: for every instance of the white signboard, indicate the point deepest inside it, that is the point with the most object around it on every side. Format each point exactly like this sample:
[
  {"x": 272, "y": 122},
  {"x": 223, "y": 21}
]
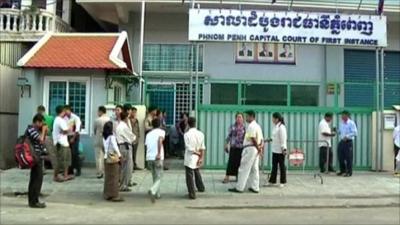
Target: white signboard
[{"x": 287, "y": 27}]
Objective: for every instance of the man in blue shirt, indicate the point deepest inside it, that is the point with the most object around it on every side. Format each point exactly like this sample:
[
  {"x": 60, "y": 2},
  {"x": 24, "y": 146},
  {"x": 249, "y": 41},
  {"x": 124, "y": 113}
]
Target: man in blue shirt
[{"x": 347, "y": 133}]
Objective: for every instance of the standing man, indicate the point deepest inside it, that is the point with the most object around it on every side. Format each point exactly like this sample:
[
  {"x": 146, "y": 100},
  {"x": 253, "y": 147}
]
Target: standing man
[
  {"x": 60, "y": 139},
  {"x": 98, "y": 139},
  {"x": 194, "y": 157},
  {"x": 74, "y": 122},
  {"x": 155, "y": 157},
  {"x": 125, "y": 139},
  {"x": 396, "y": 141},
  {"x": 136, "y": 131},
  {"x": 36, "y": 137},
  {"x": 253, "y": 146},
  {"x": 47, "y": 129},
  {"x": 347, "y": 133},
  {"x": 325, "y": 143}
]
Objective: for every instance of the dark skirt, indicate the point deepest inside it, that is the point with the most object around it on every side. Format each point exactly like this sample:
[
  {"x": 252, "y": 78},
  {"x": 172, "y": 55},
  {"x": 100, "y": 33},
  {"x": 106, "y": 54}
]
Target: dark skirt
[
  {"x": 111, "y": 181},
  {"x": 235, "y": 155}
]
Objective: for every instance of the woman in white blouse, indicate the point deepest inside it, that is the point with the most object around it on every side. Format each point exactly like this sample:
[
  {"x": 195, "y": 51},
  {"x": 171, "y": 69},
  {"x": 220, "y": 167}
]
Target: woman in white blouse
[
  {"x": 279, "y": 150},
  {"x": 111, "y": 167}
]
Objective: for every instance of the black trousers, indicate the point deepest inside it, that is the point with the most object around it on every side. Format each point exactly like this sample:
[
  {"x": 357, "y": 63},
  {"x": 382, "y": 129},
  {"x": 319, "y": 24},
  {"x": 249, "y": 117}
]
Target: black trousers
[
  {"x": 396, "y": 151},
  {"x": 134, "y": 151},
  {"x": 193, "y": 177},
  {"x": 345, "y": 153},
  {"x": 75, "y": 159},
  {"x": 323, "y": 154},
  {"x": 35, "y": 183},
  {"x": 278, "y": 159}
]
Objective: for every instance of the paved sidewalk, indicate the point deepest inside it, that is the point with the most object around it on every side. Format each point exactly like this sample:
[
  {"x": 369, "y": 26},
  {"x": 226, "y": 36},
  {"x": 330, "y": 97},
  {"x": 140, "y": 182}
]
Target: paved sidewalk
[
  {"x": 365, "y": 198},
  {"x": 363, "y": 189}
]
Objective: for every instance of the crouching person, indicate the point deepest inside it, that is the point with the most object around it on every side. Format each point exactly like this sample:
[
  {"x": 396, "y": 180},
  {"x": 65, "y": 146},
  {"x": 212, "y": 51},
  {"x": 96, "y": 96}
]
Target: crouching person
[
  {"x": 155, "y": 157},
  {"x": 112, "y": 157},
  {"x": 36, "y": 136},
  {"x": 194, "y": 156}
]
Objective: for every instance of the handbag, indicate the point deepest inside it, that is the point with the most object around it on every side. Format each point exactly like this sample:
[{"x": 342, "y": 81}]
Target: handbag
[{"x": 111, "y": 157}]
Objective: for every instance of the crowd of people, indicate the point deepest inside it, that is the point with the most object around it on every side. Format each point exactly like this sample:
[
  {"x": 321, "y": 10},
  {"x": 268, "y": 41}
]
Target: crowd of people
[{"x": 116, "y": 142}]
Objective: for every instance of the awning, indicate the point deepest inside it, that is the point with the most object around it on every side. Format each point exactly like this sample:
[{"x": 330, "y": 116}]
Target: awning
[{"x": 104, "y": 51}]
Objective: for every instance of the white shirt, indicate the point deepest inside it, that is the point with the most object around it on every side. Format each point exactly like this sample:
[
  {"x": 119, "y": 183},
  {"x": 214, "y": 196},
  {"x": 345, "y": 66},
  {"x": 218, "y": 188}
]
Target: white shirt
[
  {"x": 124, "y": 134},
  {"x": 60, "y": 126},
  {"x": 152, "y": 139},
  {"x": 110, "y": 146},
  {"x": 194, "y": 141},
  {"x": 279, "y": 138},
  {"x": 396, "y": 136},
  {"x": 324, "y": 128},
  {"x": 74, "y": 120},
  {"x": 253, "y": 131}
]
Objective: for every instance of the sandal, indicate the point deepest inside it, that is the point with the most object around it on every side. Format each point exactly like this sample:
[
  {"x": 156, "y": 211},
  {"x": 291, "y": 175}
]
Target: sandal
[
  {"x": 225, "y": 181},
  {"x": 58, "y": 179},
  {"x": 69, "y": 177}
]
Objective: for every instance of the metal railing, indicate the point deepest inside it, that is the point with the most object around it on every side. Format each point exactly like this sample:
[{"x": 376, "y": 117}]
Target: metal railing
[{"x": 19, "y": 25}]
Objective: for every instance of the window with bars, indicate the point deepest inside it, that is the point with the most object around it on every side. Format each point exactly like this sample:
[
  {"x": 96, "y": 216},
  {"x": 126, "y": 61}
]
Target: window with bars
[
  {"x": 183, "y": 98},
  {"x": 171, "y": 57},
  {"x": 73, "y": 93}
]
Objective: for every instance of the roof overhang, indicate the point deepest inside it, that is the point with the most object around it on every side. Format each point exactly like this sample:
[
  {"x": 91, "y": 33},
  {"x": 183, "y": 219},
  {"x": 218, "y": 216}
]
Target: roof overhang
[{"x": 103, "y": 51}]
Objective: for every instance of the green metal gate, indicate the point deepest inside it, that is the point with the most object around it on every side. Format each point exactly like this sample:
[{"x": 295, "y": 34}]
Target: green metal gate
[{"x": 302, "y": 124}]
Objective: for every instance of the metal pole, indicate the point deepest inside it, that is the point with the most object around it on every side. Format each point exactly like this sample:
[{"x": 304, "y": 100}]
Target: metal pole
[
  {"x": 191, "y": 78},
  {"x": 377, "y": 114},
  {"x": 197, "y": 79},
  {"x": 382, "y": 105},
  {"x": 141, "y": 94}
]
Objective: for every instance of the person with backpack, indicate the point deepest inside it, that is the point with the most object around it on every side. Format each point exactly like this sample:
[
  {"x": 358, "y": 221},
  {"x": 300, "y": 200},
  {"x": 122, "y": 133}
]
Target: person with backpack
[{"x": 36, "y": 137}]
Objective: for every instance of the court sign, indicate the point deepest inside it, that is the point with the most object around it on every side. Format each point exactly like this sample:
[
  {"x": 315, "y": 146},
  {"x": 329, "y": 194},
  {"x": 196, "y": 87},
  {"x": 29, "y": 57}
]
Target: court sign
[{"x": 287, "y": 27}]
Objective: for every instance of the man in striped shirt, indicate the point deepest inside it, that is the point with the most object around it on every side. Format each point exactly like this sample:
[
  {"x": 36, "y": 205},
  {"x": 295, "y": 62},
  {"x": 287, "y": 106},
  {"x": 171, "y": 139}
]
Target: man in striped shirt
[{"x": 36, "y": 136}]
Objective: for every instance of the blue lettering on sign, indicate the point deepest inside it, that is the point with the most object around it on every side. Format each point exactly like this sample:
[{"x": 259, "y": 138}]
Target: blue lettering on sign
[{"x": 324, "y": 22}]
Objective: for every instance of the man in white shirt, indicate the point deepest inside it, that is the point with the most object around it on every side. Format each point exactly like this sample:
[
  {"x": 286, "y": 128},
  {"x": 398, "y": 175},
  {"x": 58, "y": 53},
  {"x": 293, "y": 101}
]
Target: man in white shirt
[
  {"x": 396, "y": 140},
  {"x": 155, "y": 157},
  {"x": 60, "y": 140},
  {"x": 194, "y": 156},
  {"x": 98, "y": 139},
  {"x": 125, "y": 139},
  {"x": 325, "y": 143},
  {"x": 253, "y": 146},
  {"x": 75, "y": 123}
]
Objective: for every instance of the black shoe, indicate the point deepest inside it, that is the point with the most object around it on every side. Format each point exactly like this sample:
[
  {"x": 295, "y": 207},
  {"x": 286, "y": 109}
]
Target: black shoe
[
  {"x": 235, "y": 190},
  {"x": 38, "y": 205},
  {"x": 201, "y": 190},
  {"x": 166, "y": 168},
  {"x": 332, "y": 171},
  {"x": 347, "y": 175},
  {"x": 100, "y": 176},
  {"x": 131, "y": 184},
  {"x": 137, "y": 168},
  {"x": 78, "y": 173},
  {"x": 322, "y": 171},
  {"x": 192, "y": 197},
  {"x": 340, "y": 174},
  {"x": 253, "y": 191},
  {"x": 125, "y": 190}
]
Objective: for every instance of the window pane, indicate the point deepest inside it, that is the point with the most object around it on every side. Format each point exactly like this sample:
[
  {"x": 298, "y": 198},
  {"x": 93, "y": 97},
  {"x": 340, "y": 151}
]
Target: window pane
[
  {"x": 304, "y": 95},
  {"x": 162, "y": 96},
  {"x": 265, "y": 94},
  {"x": 57, "y": 95},
  {"x": 77, "y": 99},
  {"x": 224, "y": 93},
  {"x": 170, "y": 57}
]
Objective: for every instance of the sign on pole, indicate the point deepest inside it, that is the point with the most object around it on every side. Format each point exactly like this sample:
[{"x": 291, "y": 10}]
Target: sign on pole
[{"x": 287, "y": 27}]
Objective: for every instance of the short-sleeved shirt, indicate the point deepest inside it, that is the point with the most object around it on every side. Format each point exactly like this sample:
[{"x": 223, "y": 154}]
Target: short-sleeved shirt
[
  {"x": 253, "y": 131},
  {"x": 152, "y": 139},
  {"x": 324, "y": 128},
  {"x": 194, "y": 141},
  {"x": 49, "y": 120},
  {"x": 34, "y": 137},
  {"x": 59, "y": 137}
]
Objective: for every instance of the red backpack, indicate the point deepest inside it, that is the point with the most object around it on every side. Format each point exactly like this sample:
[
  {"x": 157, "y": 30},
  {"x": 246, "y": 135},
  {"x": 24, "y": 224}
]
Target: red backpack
[{"x": 23, "y": 154}]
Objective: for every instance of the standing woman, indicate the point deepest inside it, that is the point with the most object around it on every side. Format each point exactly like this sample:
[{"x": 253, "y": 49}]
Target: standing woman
[
  {"x": 279, "y": 150},
  {"x": 234, "y": 146},
  {"x": 112, "y": 156}
]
